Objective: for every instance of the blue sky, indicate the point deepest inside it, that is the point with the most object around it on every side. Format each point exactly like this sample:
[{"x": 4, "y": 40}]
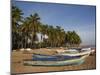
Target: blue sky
[{"x": 70, "y": 17}]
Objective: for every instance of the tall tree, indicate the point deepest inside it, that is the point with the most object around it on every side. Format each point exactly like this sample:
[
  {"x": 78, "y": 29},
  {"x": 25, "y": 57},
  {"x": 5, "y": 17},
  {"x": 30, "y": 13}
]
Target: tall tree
[
  {"x": 16, "y": 20},
  {"x": 72, "y": 38},
  {"x": 30, "y": 27},
  {"x": 16, "y": 17}
]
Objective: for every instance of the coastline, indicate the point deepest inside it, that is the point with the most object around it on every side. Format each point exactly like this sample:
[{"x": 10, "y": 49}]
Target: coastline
[{"x": 18, "y": 67}]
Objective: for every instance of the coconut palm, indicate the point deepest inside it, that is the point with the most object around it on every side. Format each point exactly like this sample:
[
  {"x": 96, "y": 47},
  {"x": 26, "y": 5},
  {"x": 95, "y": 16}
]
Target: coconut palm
[
  {"x": 31, "y": 27},
  {"x": 24, "y": 31},
  {"x": 16, "y": 20},
  {"x": 72, "y": 38},
  {"x": 16, "y": 17}
]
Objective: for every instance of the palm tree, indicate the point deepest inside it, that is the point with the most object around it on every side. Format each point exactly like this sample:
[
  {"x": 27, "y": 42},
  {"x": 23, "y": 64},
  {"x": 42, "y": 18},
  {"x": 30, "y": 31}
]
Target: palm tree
[
  {"x": 72, "y": 38},
  {"x": 24, "y": 32},
  {"x": 16, "y": 20},
  {"x": 16, "y": 17},
  {"x": 33, "y": 22},
  {"x": 30, "y": 27}
]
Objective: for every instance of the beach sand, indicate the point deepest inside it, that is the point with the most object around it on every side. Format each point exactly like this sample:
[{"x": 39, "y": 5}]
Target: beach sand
[{"x": 18, "y": 67}]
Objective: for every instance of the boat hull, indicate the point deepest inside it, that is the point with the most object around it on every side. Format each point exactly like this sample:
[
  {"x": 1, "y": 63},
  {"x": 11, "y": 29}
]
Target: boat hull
[
  {"x": 53, "y": 57},
  {"x": 76, "y": 54},
  {"x": 76, "y": 61}
]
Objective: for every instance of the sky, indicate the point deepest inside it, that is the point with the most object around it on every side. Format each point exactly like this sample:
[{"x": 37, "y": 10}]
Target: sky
[{"x": 80, "y": 18}]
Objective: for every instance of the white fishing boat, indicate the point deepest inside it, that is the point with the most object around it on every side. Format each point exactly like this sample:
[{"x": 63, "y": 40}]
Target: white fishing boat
[
  {"x": 75, "y": 52},
  {"x": 70, "y": 53}
]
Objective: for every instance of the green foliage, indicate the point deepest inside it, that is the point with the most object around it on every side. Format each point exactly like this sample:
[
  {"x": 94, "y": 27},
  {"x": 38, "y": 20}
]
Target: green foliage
[
  {"x": 16, "y": 17},
  {"x": 72, "y": 38},
  {"x": 24, "y": 32}
]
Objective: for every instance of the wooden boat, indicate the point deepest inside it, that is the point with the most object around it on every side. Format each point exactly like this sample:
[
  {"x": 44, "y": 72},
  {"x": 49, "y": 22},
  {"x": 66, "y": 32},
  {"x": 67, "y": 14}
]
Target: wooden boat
[
  {"x": 38, "y": 57},
  {"x": 69, "y": 53},
  {"x": 76, "y": 61},
  {"x": 61, "y": 59}
]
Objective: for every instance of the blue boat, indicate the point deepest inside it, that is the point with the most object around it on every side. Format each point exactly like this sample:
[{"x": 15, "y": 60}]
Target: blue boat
[
  {"x": 39, "y": 57},
  {"x": 66, "y": 62},
  {"x": 61, "y": 59}
]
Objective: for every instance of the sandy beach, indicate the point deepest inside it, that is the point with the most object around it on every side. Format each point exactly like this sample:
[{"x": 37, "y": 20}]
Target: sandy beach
[{"x": 18, "y": 67}]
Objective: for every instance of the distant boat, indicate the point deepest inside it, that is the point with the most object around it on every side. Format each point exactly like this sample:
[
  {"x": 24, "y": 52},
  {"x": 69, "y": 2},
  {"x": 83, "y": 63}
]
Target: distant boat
[
  {"x": 71, "y": 57},
  {"x": 70, "y": 53},
  {"x": 75, "y": 52}
]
